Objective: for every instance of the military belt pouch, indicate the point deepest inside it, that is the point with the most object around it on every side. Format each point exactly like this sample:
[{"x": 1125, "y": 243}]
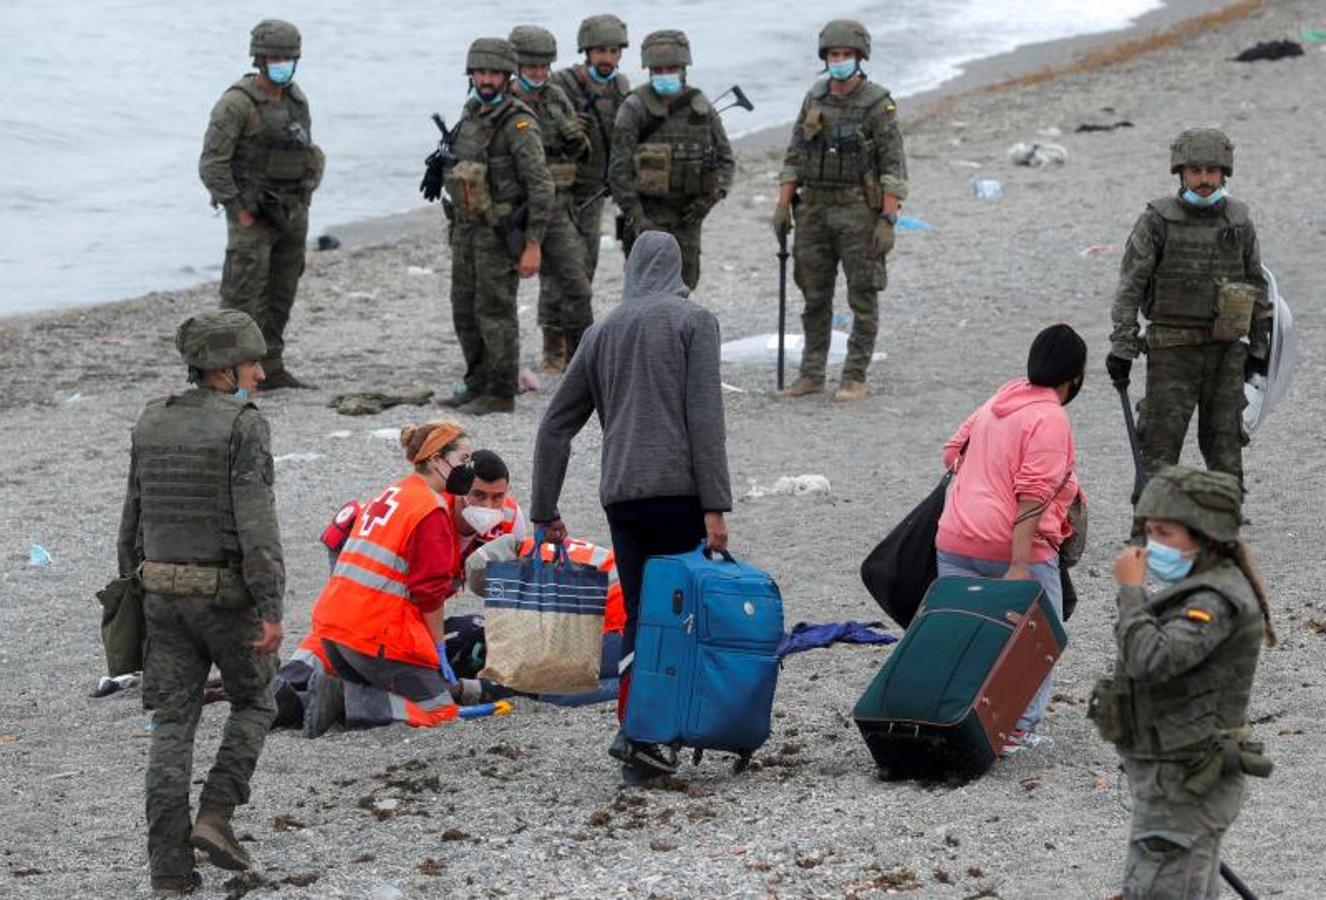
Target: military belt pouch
[
  {"x": 831, "y": 196},
  {"x": 563, "y": 173},
  {"x": 691, "y": 170},
  {"x": 221, "y": 585},
  {"x": 1109, "y": 708},
  {"x": 1227, "y": 756},
  {"x": 1235, "y": 304},
  {"x": 286, "y": 162},
  {"x": 653, "y": 170},
  {"x": 467, "y": 183},
  {"x": 1183, "y": 302}
]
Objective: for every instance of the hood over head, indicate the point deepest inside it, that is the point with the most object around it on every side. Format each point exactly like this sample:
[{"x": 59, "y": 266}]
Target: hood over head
[
  {"x": 654, "y": 267},
  {"x": 1019, "y": 393}
]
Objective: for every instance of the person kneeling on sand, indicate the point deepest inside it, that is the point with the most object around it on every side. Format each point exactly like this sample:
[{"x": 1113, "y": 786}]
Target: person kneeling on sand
[
  {"x": 380, "y": 614},
  {"x": 1006, "y": 515}
]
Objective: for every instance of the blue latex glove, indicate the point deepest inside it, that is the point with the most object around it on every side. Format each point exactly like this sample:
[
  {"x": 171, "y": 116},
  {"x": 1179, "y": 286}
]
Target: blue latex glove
[{"x": 448, "y": 674}]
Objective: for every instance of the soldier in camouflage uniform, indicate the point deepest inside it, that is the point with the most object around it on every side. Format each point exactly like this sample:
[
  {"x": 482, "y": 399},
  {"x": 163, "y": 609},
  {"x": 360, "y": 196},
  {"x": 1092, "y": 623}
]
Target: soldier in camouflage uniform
[
  {"x": 1178, "y": 702},
  {"x": 199, "y": 527},
  {"x": 260, "y": 164},
  {"x": 671, "y": 160},
  {"x": 501, "y": 169},
  {"x": 596, "y": 88},
  {"x": 846, "y": 162},
  {"x": 565, "y": 308},
  {"x": 1193, "y": 269}
]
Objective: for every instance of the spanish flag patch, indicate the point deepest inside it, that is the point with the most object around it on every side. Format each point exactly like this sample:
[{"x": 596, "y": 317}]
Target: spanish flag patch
[
  {"x": 1197, "y": 615},
  {"x": 522, "y": 124}
]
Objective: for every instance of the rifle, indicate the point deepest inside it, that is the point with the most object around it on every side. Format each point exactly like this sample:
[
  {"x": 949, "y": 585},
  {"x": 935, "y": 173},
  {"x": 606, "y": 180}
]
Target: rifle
[
  {"x": 782, "y": 302},
  {"x": 439, "y": 161},
  {"x": 739, "y": 98},
  {"x": 1139, "y": 467}
]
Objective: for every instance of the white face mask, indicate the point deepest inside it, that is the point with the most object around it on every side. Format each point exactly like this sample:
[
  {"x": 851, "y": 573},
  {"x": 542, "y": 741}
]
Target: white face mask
[{"x": 481, "y": 518}]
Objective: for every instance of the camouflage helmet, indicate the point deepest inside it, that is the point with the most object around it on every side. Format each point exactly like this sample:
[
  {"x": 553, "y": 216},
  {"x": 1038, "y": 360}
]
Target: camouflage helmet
[
  {"x": 220, "y": 339},
  {"x": 535, "y": 46},
  {"x": 665, "y": 48},
  {"x": 1206, "y": 502},
  {"x": 1202, "y": 147},
  {"x": 274, "y": 39},
  {"x": 601, "y": 31},
  {"x": 493, "y": 53},
  {"x": 845, "y": 33}
]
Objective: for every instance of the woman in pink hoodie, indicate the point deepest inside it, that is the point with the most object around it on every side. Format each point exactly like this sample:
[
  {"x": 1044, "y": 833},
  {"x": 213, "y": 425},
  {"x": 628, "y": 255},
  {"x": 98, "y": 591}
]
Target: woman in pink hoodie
[{"x": 1007, "y": 512}]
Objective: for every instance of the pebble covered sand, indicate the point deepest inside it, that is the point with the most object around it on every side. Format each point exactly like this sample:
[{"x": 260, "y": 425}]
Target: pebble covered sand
[{"x": 530, "y": 805}]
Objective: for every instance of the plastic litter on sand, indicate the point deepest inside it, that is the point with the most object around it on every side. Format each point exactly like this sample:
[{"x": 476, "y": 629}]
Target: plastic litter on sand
[
  {"x": 1102, "y": 250},
  {"x": 986, "y": 188},
  {"x": 791, "y": 486},
  {"x": 763, "y": 348},
  {"x": 1037, "y": 155},
  {"x": 418, "y": 270},
  {"x": 38, "y": 556},
  {"x": 296, "y": 457},
  {"x": 908, "y": 224}
]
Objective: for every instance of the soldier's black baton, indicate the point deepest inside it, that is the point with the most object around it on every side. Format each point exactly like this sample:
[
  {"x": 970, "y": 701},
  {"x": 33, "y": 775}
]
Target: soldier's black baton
[
  {"x": 782, "y": 303},
  {"x": 1240, "y": 887},
  {"x": 1139, "y": 468}
]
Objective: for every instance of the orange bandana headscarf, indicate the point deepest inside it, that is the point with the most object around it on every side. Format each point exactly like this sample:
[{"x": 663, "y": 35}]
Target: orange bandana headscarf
[{"x": 439, "y": 437}]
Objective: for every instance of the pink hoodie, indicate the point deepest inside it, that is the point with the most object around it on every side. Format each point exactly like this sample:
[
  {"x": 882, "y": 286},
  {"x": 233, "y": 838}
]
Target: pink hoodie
[{"x": 1019, "y": 447}]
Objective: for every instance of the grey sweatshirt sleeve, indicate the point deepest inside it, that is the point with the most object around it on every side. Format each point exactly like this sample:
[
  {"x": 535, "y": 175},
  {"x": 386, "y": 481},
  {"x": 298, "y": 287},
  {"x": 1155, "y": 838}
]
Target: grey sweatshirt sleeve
[
  {"x": 567, "y": 413},
  {"x": 704, "y": 415}
]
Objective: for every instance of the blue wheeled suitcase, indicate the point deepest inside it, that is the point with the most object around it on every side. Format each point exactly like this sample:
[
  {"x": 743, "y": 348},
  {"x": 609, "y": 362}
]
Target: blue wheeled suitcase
[{"x": 706, "y": 661}]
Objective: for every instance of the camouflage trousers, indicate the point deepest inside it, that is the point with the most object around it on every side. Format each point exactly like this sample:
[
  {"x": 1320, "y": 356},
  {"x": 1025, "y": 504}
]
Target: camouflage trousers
[
  {"x": 668, "y": 217},
  {"x": 1174, "y": 838},
  {"x": 828, "y": 235},
  {"x": 484, "y": 281},
  {"x": 565, "y": 302},
  {"x": 1207, "y": 378},
  {"x": 185, "y": 637},
  {"x": 262, "y": 270},
  {"x": 590, "y": 225}
]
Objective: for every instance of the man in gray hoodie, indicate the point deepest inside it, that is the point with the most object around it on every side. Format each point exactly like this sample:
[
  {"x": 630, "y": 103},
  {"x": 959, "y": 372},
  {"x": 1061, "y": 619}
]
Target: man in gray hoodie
[{"x": 650, "y": 370}]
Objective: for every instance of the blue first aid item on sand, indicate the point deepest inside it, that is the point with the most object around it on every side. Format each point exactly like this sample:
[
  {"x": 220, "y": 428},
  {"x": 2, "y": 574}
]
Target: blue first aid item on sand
[{"x": 706, "y": 647}]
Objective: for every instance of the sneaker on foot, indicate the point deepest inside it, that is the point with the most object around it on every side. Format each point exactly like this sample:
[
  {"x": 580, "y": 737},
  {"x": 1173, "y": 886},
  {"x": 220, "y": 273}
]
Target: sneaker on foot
[
  {"x": 1020, "y": 740},
  {"x": 658, "y": 757},
  {"x": 324, "y": 704}
]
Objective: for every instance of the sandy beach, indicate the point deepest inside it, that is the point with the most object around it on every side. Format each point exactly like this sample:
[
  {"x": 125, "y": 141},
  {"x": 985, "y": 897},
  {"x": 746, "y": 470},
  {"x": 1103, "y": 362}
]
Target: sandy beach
[{"x": 530, "y": 805}]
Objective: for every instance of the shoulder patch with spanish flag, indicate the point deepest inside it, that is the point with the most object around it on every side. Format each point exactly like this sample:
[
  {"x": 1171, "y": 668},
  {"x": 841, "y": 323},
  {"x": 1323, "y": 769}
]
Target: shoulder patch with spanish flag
[
  {"x": 523, "y": 123},
  {"x": 1197, "y": 614}
]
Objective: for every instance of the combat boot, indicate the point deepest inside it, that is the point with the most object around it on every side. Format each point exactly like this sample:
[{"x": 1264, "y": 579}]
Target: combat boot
[
  {"x": 554, "y": 351},
  {"x": 801, "y": 388},
  {"x": 459, "y": 397},
  {"x": 849, "y": 390},
  {"x": 489, "y": 404},
  {"x": 278, "y": 377},
  {"x": 212, "y": 835},
  {"x": 573, "y": 343},
  {"x": 176, "y": 884}
]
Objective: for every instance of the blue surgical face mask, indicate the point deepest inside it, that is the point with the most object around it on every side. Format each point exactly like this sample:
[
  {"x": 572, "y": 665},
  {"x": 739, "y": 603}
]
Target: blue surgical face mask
[
  {"x": 530, "y": 85},
  {"x": 281, "y": 72},
  {"x": 666, "y": 85},
  {"x": 1196, "y": 199},
  {"x": 241, "y": 393},
  {"x": 1167, "y": 563},
  {"x": 841, "y": 71},
  {"x": 475, "y": 95},
  {"x": 601, "y": 79}
]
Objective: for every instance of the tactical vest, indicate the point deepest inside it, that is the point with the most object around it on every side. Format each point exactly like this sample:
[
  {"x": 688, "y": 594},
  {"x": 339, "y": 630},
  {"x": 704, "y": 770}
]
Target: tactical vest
[
  {"x": 182, "y": 447},
  {"x": 550, "y": 109},
  {"x": 676, "y": 156},
  {"x": 278, "y": 156},
  {"x": 836, "y": 148},
  {"x": 600, "y": 103},
  {"x": 486, "y": 165},
  {"x": 1187, "y": 711},
  {"x": 1202, "y": 250}
]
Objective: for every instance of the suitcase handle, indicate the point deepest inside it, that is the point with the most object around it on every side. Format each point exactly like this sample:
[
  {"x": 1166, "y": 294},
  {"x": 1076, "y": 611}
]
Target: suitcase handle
[{"x": 709, "y": 554}]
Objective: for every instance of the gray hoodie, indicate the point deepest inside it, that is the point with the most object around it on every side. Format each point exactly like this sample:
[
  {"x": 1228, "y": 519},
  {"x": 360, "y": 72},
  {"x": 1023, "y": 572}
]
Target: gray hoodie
[{"x": 650, "y": 369}]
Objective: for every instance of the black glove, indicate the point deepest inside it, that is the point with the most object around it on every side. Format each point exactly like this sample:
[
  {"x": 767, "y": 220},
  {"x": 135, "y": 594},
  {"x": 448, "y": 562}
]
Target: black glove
[
  {"x": 1118, "y": 368},
  {"x": 434, "y": 175}
]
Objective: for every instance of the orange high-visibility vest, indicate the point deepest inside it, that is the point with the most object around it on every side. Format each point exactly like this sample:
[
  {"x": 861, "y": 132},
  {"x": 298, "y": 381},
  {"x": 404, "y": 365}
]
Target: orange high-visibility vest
[
  {"x": 602, "y": 558},
  {"x": 366, "y": 604}
]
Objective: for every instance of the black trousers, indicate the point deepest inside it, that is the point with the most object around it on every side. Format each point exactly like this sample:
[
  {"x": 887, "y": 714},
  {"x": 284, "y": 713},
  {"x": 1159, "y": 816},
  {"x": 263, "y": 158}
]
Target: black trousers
[{"x": 654, "y": 526}]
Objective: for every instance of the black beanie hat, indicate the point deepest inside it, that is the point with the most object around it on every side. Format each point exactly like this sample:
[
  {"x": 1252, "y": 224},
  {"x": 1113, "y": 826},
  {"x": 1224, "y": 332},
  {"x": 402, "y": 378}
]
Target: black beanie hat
[
  {"x": 489, "y": 466},
  {"x": 1057, "y": 355}
]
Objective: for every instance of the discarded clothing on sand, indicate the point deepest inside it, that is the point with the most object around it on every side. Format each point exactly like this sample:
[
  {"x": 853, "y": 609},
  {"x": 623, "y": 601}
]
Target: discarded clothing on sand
[
  {"x": 370, "y": 403},
  {"x": 1087, "y": 127},
  {"x": 1270, "y": 51},
  {"x": 1037, "y": 155},
  {"x": 812, "y": 636}
]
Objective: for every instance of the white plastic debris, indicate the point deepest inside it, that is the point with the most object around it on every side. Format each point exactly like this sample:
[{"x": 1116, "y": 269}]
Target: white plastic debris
[
  {"x": 418, "y": 270},
  {"x": 386, "y": 434},
  {"x": 791, "y": 486},
  {"x": 986, "y": 188},
  {"x": 763, "y": 348},
  {"x": 296, "y": 457},
  {"x": 1037, "y": 155},
  {"x": 38, "y": 556},
  {"x": 339, "y": 434}
]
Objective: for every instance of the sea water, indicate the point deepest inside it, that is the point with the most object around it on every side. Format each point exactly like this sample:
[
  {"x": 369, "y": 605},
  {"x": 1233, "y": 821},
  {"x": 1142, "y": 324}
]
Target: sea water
[{"x": 107, "y": 101}]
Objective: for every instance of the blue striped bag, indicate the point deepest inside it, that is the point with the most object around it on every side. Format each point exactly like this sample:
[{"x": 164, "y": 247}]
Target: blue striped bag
[{"x": 544, "y": 624}]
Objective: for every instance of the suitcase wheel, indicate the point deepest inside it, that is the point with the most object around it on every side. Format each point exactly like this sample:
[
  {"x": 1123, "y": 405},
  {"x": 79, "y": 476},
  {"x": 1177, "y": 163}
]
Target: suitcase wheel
[{"x": 696, "y": 756}]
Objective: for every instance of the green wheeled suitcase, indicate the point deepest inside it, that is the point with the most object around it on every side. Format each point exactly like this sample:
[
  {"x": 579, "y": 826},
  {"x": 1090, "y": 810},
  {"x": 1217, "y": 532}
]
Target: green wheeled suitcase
[{"x": 953, "y": 688}]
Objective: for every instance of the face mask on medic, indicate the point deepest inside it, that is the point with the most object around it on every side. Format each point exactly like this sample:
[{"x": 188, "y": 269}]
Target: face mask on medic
[
  {"x": 458, "y": 477},
  {"x": 481, "y": 518}
]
